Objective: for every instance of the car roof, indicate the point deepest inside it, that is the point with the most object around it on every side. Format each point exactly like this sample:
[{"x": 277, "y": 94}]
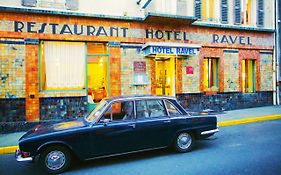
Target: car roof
[{"x": 137, "y": 97}]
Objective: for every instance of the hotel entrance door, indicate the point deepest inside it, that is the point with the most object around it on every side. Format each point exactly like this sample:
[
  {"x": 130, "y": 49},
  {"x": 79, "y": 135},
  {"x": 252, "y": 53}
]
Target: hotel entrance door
[{"x": 165, "y": 76}]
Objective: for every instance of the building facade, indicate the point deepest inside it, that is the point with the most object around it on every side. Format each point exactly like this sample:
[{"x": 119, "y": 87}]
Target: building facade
[{"x": 60, "y": 57}]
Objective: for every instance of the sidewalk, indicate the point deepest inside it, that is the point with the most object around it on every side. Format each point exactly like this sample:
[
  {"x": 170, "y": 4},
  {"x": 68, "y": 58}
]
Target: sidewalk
[{"x": 9, "y": 142}]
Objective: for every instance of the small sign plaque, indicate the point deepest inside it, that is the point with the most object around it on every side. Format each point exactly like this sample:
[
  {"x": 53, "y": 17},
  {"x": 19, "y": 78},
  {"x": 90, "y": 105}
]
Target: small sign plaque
[
  {"x": 189, "y": 70},
  {"x": 139, "y": 66}
]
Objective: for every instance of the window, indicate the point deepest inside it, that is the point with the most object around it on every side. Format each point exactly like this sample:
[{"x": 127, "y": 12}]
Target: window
[
  {"x": 171, "y": 108},
  {"x": 242, "y": 11},
  {"x": 246, "y": 11},
  {"x": 119, "y": 111},
  {"x": 211, "y": 74},
  {"x": 150, "y": 108},
  {"x": 260, "y": 13},
  {"x": 224, "y": 11},
  {"x": 98, "y": 71},
  {"x": 248, "y": 75},
  {"x": 62, "y": 65},
  {"x": 54, "y": 4}
]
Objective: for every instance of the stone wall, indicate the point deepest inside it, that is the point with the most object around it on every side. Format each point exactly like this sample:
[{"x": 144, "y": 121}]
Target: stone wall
[{"x": 225, "y": 101}]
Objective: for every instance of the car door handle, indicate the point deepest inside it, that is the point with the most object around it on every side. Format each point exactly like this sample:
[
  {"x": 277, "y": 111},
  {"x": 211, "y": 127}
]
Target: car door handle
[
  {"x": 132, "y": 125},
  {"x": 167, "y": 121}
]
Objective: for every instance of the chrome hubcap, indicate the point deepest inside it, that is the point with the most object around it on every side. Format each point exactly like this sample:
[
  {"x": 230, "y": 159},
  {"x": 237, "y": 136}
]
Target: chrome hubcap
[
  {"x": 184, "y": 141},
  {"x": 55, "y": 160}
]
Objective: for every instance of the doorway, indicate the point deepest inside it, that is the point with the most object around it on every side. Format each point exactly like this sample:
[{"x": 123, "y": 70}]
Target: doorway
[{"x": 165, "y": 76}]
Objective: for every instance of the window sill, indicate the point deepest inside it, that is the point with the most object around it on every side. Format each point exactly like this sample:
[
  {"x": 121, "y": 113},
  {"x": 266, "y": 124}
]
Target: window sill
[{"x": 64, "y": 93}]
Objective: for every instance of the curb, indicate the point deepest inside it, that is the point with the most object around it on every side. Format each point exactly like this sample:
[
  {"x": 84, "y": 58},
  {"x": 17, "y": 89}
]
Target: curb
[
  {"x": 12, "y": 149},
  {"x": 8, "y": 149},
  {"x": 249, "y": 120}
]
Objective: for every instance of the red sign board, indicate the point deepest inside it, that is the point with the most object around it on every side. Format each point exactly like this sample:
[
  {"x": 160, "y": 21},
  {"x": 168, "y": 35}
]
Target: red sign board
[
  {"x": 189, "y": 70},
  {"x": 139, "y": 66}
]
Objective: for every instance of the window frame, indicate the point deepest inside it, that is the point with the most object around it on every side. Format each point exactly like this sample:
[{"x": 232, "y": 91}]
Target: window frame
[
  {"x": 208, "y": 78},
  {"x": 254, "y": 76},
  {"x": 40, "y": 48}
]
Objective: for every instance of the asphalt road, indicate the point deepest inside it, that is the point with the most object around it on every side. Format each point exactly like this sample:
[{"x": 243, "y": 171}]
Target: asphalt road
[{"x": 243, "y": 149}]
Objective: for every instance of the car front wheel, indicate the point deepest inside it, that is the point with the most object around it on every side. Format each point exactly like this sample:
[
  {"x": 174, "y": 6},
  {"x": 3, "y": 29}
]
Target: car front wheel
[
  {"x": 55, "y": 159},
  {"x": 184, "y": 142}
]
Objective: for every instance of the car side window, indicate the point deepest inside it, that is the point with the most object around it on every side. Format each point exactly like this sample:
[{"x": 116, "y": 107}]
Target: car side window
[
  {"x": 119, "y": 111},
  {"x": 150, "y": 109},
  {"x": 173, "y": 111}
]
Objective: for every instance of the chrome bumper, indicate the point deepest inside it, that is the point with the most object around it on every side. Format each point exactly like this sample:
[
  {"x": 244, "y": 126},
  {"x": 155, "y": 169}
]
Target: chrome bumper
[
  {"x": 210, "y": 131},
  {"x": 19, "y": 157}
]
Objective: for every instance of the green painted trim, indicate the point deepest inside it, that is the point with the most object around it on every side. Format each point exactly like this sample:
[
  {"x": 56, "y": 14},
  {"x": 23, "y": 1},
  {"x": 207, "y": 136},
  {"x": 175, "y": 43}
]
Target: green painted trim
[
  {"x": 96, "y": 54},
  {"x": 254, "y": 74},
  {"x": 39, "y": 67},
  {"x": 86, "y": 64},
  {"x": 108, "y": 70},
  {"x": 217, "y": 73},
  {"x": 209, "y": 82},
  {"x": 78, "y": 90}
]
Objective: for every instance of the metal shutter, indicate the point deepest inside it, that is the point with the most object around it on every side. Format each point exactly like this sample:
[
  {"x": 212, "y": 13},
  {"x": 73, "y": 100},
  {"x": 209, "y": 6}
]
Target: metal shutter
[
  {"x": 237, "y": 12},
  {"x": 198, "y": 9},
  {"x": 29, "y": 3},
  {"x": 224, "y": 11},
  {"x": 260, "y": 13}
]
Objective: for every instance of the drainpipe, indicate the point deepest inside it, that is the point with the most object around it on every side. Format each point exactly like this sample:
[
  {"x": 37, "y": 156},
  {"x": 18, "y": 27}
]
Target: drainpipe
[{"x": 277, "y": 52}]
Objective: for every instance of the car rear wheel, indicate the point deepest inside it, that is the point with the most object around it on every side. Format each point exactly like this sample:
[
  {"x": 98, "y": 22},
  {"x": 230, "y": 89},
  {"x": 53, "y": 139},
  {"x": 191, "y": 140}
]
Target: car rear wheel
[
  {"x": 55, "y": 159},
  {"x": 184, "y": 142}
]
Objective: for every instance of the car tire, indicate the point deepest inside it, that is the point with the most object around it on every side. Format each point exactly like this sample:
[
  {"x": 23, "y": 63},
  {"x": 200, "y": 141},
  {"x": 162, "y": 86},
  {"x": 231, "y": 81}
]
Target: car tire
[
  {"x": 55, "y": 159},
  {"x": 184, "y": 142}
]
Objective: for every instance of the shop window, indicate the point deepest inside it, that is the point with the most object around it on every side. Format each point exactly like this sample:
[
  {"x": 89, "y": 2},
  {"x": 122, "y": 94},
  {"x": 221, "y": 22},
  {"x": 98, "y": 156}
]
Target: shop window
[
  {"x": 62, "y": 65},
  {"x": 248, "y": 75},
  {"x": 97, "y": 71},
  {"x": 211, "y": 74}
]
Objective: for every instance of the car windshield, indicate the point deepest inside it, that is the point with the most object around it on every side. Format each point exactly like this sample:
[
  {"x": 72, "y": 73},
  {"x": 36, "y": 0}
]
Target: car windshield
[{"x": 93, "y": 116}]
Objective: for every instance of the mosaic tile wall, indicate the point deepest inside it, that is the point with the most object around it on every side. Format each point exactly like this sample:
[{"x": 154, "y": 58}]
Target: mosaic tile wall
[
  {"x": 191, "y": 82},
  {"x": 231, "y": 73},
  {"x": 128, "y": 56},
  {"x": 225, "y": 101},
  {"x": 62, "y": 108},
  {"x": 12, "y": 110},
  {"x": 12, "y": 70},
  {"x": 266, "y": 69}
]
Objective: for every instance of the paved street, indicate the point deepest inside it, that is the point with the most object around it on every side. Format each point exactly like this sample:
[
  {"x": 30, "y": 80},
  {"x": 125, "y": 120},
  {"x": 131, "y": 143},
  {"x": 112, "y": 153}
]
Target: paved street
[{"x": 241, "y": 149}]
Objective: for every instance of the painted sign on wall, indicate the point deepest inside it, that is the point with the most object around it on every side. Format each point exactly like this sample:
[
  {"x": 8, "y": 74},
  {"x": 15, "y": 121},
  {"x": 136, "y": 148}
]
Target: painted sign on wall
[
  {"x": 231, "y": 39},
  {"x": 152, "y": 50}
]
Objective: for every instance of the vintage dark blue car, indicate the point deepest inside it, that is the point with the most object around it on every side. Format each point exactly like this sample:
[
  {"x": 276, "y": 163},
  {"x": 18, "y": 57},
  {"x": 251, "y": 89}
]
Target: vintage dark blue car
[{"x": 116, "y": 126}]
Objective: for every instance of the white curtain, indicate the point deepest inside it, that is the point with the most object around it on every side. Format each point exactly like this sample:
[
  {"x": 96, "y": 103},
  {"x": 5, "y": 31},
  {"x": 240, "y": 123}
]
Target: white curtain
[{"x": 65, "y": 65}]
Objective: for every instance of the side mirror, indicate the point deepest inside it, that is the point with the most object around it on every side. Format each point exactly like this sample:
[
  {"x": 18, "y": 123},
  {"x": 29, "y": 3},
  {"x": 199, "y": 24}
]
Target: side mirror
[{"x": 106, "y": 121}]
